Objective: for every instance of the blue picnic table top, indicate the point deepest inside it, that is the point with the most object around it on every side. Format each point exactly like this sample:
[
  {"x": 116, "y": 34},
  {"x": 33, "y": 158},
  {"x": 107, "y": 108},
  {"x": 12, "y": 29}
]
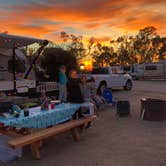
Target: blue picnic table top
[{"x": 43, "y": 118}]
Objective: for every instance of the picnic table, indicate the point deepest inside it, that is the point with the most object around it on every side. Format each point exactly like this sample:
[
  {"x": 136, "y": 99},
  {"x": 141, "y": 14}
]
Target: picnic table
[{"x": 41, "y": 124}]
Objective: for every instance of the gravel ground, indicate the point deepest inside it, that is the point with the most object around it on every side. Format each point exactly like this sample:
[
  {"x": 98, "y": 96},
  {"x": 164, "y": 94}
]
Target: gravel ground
[{"x": 111, "y": 141}]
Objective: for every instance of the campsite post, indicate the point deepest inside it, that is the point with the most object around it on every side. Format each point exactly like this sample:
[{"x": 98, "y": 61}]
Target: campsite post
[
  {"x": 14, "y": 68},
  {"x": 35, "y": 59}
]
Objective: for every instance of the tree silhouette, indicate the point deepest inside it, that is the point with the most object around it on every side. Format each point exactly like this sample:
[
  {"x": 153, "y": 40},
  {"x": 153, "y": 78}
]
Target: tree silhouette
[
  {"x": 74, "y": 44},
  {"x": 53, "y": 58},
  {"x": 146, "y": 46},
  {"x": 143, "y": 43}
]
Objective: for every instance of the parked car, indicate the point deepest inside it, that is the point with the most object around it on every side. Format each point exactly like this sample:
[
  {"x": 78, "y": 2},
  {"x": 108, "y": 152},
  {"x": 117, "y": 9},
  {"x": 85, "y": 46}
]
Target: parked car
[{"x": 111, "y": 77}]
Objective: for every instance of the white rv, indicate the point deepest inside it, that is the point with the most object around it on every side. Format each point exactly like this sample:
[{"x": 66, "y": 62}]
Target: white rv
[
  {"x": 16, "y": 72},
  {"x": 147, "y": 70}
]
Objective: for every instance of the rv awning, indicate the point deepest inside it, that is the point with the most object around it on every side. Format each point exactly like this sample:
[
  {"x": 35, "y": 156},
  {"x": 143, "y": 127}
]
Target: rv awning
[{"x": 12, "y": 41}]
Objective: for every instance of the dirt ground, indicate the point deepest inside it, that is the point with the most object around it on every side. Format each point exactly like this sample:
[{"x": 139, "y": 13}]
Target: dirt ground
[{"x": 111, "y": 141}]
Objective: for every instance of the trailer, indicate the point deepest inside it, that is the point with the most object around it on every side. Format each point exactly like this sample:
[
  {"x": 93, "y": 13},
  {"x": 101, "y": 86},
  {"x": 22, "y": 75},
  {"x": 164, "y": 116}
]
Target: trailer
[
  {"x": 17, "y": 73},
  {"x": 150, "y": 70}
]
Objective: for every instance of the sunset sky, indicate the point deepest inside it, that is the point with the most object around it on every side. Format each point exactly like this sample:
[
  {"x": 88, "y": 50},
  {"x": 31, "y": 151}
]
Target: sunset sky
[{"x": 101, "y": 18}]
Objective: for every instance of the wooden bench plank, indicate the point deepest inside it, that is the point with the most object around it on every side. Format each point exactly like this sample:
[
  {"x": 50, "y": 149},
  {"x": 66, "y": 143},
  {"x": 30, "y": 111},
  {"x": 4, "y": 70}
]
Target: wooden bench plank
[{"x": 45, "y": 133}]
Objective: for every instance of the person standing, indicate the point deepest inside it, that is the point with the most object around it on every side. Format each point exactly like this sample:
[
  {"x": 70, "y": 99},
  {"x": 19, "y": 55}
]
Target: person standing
[
  {"x": 62, "y": 84},
  {"x": 74, "y": 94},
  {"x": 73, "y": 88}
]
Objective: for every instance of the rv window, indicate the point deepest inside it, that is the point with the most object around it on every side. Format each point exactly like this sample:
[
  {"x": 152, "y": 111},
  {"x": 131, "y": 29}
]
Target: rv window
[
  {"x": 19, "y": 67},
  {"x": 150, "y": 67}
]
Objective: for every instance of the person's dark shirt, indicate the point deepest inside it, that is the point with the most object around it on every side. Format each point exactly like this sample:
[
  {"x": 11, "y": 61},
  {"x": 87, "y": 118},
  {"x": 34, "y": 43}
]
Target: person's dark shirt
[{"x": 74, "y": 94}]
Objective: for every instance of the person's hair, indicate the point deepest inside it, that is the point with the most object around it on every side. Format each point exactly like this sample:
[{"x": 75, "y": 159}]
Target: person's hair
[{"x": 62, "y": 67}]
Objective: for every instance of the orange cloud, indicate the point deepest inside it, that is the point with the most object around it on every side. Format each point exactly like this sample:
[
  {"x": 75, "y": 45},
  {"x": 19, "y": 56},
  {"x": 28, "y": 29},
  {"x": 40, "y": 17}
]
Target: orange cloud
[
  {"x": 143, "y": 19},
  {"x": 34, "y": 30},
  {"x": 83, "y": 16},
  {"x": 92, "y": 25}
]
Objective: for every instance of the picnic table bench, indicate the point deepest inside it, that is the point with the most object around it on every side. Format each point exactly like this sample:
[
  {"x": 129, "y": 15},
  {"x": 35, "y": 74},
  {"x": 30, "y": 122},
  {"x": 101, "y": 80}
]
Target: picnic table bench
[
  {"x": 35, "y": 139},
  {"x": 40, "y": 125}
]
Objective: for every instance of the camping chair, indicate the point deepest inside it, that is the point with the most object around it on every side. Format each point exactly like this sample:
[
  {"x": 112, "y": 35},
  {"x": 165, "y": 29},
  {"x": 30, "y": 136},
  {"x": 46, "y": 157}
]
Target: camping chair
[{"x": 107, "y": 94}]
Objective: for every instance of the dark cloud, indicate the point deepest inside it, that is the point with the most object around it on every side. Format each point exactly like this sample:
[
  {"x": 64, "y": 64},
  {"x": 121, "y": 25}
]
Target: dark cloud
[{"x": 42, "y": 17}]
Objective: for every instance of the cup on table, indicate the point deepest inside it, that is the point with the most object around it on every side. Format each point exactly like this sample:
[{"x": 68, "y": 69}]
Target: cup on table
[{"x": 54, "y": 103}]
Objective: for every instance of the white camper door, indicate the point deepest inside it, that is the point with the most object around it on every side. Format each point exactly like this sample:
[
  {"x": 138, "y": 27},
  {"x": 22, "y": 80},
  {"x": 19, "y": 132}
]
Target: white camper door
[
  {"x": 6, "y": 85},
  {"x": 6, "y": 76}
]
